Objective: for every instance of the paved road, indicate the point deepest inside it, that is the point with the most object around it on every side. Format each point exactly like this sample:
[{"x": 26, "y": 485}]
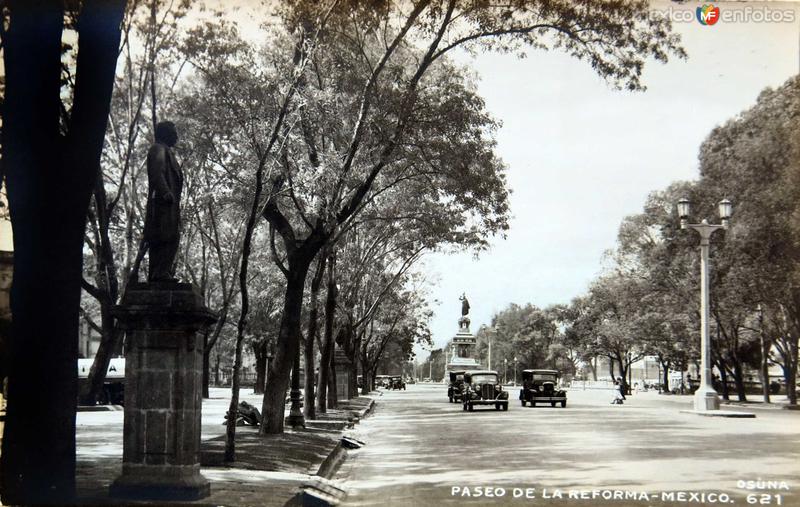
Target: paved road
[{"x": 421, "y": 449}]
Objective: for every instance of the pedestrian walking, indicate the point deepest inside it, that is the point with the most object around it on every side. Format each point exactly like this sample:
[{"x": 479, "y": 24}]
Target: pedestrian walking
[
  {"x": 621, "y": 387},
  {"x": 618, "y": 396}
]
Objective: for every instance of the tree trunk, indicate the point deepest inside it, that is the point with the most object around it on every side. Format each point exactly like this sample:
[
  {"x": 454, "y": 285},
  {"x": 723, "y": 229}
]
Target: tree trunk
[
  {"x": 272, "y": 407},
  {"x": 367, "y": 383},
  {"x": 791, "y": 383},
  {"x": 593, "y": 367},
  {"x": 207, "y": 370},
  {"x": 355, "y": 360},
  {"x": 333, "y": 396},
  {"x": 260, "y": 351},
  {"x": 216, "y": 371},
  {"x": 93, "y": 389},
  {"x": 723, "y": 378},
  {"x": 230, "y": 430},
  {"x": 665, "y": 377},
  {"x": 764, "y": 370},
  {"x": 106, "y": 293},
  {"x": 327, "y": 344},
  {"x": 309, "y": 408},
  {"x": 623, "y": 369},
  {"x": 49, "y": 182},
  {"x": 738, "y": 379},
  {"x": 241, "y": 326},
  {"x": 611, "y": 368}
]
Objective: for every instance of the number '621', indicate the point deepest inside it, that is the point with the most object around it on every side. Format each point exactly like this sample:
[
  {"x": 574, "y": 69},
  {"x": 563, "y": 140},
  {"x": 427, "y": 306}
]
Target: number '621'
[{"x": 764, "y": 499}]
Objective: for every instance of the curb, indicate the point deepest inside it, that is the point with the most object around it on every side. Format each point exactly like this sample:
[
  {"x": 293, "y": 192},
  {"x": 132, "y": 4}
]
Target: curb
[{"x": 331, "y": 464}]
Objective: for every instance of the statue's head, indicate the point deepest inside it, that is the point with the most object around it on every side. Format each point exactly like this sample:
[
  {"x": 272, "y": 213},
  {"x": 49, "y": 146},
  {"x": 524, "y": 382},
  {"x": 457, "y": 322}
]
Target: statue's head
[{"x": 166, "y": 133}]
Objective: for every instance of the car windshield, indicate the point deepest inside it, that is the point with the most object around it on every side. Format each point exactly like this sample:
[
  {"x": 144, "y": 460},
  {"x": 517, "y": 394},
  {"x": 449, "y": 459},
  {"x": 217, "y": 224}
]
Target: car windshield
[
  {"x": 539, "y": 376},
  {"x": 483, "y": 378}
]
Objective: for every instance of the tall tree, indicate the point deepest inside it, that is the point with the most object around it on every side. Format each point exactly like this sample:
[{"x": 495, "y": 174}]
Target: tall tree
[
  {"x": 378, "y": 102},
  {"x": 50, "y": 176},
  {"x": 115, "y": 208}
]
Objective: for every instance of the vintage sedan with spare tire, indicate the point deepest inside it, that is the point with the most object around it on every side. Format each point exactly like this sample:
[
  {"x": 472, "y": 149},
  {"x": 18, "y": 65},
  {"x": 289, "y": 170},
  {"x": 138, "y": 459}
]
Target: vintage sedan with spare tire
[
  {"x": 541, "y": 386},
  {"x": 482, "y": 387},
  {"x": 456, "y": 386}
]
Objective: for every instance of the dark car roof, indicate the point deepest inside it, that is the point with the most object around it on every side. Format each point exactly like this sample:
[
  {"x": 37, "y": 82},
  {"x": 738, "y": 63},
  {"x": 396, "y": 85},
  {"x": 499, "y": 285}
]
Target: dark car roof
[
  {"x": 482, "y": 372},
  {"x": 552, "y": 372}
]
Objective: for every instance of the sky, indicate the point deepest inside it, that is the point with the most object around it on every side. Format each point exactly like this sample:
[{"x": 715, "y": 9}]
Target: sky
[{"x": 582, "y": 156}]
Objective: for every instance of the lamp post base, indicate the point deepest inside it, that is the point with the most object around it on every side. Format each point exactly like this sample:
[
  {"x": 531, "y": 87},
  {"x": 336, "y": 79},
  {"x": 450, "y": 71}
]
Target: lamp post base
[
  {"x": 295, "y": 419},
  {"x": 706, "y": 399}
]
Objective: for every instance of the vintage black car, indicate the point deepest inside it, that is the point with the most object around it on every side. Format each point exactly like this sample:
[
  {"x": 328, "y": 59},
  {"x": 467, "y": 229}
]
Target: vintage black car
[
  {"x": 396, "y": 383},
  {"x": 541, "y": 386},
  {"x": 456, "y": 386},
  {"x": 482, "y": 387}
]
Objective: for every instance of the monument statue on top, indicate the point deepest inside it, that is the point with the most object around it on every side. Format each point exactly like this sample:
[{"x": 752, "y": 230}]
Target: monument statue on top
[
  {"x": 463, "y": 322},
  {"x": 163, "y": 216},
  {"x": 165, "y": 322},
  {"x": 463, "y": 343}
]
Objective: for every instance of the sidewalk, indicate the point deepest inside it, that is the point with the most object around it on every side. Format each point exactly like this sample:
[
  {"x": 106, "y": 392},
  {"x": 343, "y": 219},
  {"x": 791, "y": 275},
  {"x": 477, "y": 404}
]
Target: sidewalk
[{"x": 268, "y": 470}]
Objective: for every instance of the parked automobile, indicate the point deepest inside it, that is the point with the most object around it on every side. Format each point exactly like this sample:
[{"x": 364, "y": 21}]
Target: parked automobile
[
  {"x": 541, "y": 386},
  {"x": 397, "y": 383},
  {"x": 456, "y": 386},
  {"x": 482, "y": 387},
  {"x": 382, "y": 381},
  {"x": 113, "y": 392}
]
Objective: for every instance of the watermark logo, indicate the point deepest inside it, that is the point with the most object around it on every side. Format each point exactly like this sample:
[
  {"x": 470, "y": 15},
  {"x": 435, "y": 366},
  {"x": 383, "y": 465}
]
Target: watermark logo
[{"x": 707, "y": 14}]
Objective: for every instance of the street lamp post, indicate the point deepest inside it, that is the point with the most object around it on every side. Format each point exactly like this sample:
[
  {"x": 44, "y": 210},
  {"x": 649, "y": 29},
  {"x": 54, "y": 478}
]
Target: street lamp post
[
  {"x": 296, "y": 419},
  {"x": 706, "y": 397},
  {"x": 515, "y": 370},
  {"x": 490, "y": 350},
  {"x": 764, "y": 355}
]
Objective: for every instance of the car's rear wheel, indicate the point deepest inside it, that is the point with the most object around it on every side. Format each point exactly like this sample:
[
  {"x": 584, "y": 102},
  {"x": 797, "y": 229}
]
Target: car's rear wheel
[
  {"x": 564, "y": 404},
  {"x": 505, "y": 406},
  {"x": 497, "y": 406},
  {"x": 533, "y": 403},
  {"x": 552, "y": 403}
]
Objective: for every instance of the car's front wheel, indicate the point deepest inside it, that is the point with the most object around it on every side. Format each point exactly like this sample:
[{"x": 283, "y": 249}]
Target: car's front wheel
[
  {"x": 552, "y": 403},
  {"x": 451, "y": 399},
  {"x": 470, "y": 407},
  {"x": 523, "y": 402},
  {"x": 564, "y": 404},
  {"x": 505, "y": 406}
]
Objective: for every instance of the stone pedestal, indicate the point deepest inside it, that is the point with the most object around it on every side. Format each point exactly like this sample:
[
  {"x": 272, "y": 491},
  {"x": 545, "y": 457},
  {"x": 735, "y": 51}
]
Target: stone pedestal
[
  {"x": 344, "y": 370},
  {"x": 163, "y": 323}
]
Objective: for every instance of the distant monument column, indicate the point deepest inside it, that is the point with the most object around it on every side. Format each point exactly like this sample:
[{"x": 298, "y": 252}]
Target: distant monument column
[
  {"x": 164, "y": 323},
  {"x": 463, "y": 343}
]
